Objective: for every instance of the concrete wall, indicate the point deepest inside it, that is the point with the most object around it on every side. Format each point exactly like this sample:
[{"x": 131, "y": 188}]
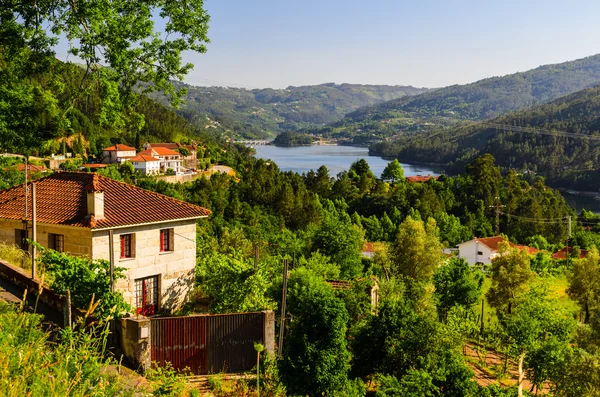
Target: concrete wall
[
  {"x": 136, "y": 341},
  {"x": 176, "y": 269},
  {"x": 78, "y": 240}
]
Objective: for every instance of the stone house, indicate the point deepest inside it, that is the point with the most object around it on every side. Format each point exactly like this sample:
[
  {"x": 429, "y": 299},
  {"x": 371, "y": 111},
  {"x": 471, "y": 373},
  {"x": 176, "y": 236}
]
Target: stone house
[
  {"x": 117, "y": 153},
  {"x": 484, "y": 250},
  {"x": 147, "y": 165},
  {"x": 153, "y": 236}
]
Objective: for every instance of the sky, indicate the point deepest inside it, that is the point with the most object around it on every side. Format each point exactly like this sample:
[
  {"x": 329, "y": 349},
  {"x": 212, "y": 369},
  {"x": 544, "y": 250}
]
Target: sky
[{"x": 424, "y": 43}]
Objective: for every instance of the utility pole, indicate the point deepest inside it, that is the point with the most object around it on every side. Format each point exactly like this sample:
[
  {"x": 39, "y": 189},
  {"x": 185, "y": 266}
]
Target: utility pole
[
  {"x": 26, "y": 192},
  {"x": 255, "y": 258},
  {"x": 283, "y": 299},
  {"x": 497, "y": 207},
  {"x": 34, "y": 230},
  {"x": 111, "y": 254}
]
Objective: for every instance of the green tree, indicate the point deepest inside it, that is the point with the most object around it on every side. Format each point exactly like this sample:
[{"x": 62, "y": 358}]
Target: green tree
[
  {"x": 584, "y": 282},
  {"x": 510, "y": 274},
  {"x": 119, "y": 34},
  {"x": 417, "y": 250},
  {"x": 315, "y": 359},
  {"x": 537, "y": 323},
  {"x": 456, "y": 283},
  {"x": 393, "y": 172}
]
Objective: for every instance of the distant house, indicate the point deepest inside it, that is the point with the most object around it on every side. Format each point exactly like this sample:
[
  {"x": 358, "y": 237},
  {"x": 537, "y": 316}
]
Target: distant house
[
  {"x": 372, "y": 291},
  {"x": 189, "y": 161},
  {"x": 118, "y": 153},
  {"x": 31, "y": 168},
  {"x": 153, "y": 236},
  {"x": 169, "y": 159},
  {"x": 484, "y": 250},
  {"x": 146, "y": 164},
  {"x": 420, "y": 178},
  {"x": 563, "y": 253}
]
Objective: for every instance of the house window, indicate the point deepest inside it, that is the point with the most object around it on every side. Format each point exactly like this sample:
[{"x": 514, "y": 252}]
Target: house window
[
  {"x": 127, "y": 246},
  {"x": 146, "y": 295},
  {"x": 21, "y": 239},
  {"x": 479, "y": 253},
  {"x": 166, "y": 240},
  {"x": 56, "y": 242}
]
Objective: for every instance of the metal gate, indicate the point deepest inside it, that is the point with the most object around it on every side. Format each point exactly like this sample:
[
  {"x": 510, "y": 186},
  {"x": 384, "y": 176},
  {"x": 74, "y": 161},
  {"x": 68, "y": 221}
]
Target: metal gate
[{"x": 207, "y": 344}]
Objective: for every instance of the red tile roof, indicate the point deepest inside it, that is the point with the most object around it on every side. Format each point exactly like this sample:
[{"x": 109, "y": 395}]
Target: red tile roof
[
  {"x": 493, "y": 244},
  {"x": 163, "y": 151},
  {"x": 62, "y": 200},
  {"x": 142, "y": 158},
  {"x": 119, "y": 147},
  {"x": 420, "y": 178},
  {"x": 562, "y": 254},
  {"x": 92, "y": 166},
  {"x": 339, "y": 284},
  {"x": 31, "y": 168}
]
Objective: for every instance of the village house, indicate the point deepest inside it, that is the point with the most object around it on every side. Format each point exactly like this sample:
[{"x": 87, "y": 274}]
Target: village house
[
  {"x": 419, "y": 178},
  {"x": 151, "y": 235},
  {"x": 146, "y": 164},
  {"x": 118, "y": 153},
  {"x": 189, "y": 161},
  {"x": 169, "y": 159},
  {"x": 568, "y": 251},
  {"x": 484, "y": 250}
]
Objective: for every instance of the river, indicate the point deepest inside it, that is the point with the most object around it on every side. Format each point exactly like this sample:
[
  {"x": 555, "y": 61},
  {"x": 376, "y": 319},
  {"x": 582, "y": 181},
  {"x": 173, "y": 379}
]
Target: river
[{"x": 302, "y": 159}]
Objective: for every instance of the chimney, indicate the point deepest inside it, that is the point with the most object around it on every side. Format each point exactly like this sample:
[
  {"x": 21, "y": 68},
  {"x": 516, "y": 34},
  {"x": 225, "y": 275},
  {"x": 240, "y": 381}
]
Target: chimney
[{"x": 95, "y": 199}]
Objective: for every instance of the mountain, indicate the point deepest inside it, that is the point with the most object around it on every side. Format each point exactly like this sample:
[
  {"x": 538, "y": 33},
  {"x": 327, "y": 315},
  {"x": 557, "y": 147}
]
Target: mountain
[
  {"x": 263, "y": 113},
  {"x": 484, "y": 99},
  {"x": 530, "y": 141}
]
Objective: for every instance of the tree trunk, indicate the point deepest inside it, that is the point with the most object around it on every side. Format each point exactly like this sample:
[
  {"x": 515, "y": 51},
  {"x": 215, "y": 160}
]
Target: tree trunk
[
  {"x": 521, "y": 374},
  {"x": 586, "y": 320}
]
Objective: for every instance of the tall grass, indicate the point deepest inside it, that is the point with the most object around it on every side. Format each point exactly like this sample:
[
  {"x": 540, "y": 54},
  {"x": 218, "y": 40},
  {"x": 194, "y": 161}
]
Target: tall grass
[{"x": 15, "y": 256}]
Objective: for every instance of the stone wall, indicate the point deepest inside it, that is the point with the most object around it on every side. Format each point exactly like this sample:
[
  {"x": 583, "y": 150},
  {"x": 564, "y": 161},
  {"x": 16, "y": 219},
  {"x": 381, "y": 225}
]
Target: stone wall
[
  {"x": 77, "y": 241},
  {"x": 176, "y": 269}
]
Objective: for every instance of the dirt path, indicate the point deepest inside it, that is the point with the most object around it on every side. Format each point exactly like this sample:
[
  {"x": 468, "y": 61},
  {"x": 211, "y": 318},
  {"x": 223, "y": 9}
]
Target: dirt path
[{"x": 484, "y": 374}]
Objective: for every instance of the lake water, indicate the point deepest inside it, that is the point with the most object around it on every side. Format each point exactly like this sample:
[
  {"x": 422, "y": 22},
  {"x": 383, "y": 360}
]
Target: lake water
[{"x": 302, "y": 159}]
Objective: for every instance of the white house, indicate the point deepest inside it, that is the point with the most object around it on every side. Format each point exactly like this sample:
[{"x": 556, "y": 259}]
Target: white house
[
  {"x": 484, "y": 250},
  {"x": 117, "y": 154},
  {"x": 169, "y": 159},
  {"x": 153, "y": 236},
  {"x": 147, "y": 165}
]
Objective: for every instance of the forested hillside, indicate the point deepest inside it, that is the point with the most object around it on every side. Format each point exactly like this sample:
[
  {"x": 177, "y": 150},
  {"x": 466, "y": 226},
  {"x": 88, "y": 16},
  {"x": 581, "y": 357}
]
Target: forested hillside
[
  {"x": 565, "y": 161},
  {"x": 484, "y": 99},
  {"x": 263, "y": 113},
  {"x": 45, "y": 110}
]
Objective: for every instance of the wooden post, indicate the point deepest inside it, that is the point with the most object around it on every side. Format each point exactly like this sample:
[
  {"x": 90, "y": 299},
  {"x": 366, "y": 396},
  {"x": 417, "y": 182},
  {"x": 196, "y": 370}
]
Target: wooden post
[
  {"x": 34, "y": 231},
  {"x": 111, "y": 254},
  {"x": 482, "y": 308},
  {"x": 283, "y": 299},
  {"x": 256, "y": 258},
  {"x": 67, "y": 309}
]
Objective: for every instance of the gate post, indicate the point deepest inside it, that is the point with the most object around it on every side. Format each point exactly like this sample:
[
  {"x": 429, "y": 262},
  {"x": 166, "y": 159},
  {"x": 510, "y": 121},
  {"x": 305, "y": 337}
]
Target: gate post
[
  {"x": 136, "y": 341},
  {"x": 269, "y": 332}
]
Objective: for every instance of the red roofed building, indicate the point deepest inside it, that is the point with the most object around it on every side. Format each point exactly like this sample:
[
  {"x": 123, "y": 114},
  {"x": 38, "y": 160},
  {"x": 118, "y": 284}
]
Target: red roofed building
[
  {"x": 117, "y": 153},
  {"x": 420, "y": 178},
  {"x": 562, "y": 254},
  {"x": 153, "y": 236},
  {"x": 169, "y": 159},
  {"x": 188, "y": 161},
  {"x": 485, "y": 249},
  {"x": 146, "y": 164}
]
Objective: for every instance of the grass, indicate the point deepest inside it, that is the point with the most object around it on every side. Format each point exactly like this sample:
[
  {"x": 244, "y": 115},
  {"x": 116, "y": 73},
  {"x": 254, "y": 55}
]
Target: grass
[{"x": 16, "y": 256}]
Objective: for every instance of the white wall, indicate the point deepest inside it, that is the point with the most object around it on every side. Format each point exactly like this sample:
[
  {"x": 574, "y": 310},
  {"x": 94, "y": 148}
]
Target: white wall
[{"x": 470, "y": 251}]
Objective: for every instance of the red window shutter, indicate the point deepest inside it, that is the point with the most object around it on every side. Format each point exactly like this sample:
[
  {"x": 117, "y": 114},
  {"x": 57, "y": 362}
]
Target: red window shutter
[
  {"x": 162, "y": 240},
  {"x": 122, "y": 246}
]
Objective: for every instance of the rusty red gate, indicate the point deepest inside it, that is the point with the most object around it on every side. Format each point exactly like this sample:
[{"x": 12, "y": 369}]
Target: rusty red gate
[{"x": 207, "y": 344}]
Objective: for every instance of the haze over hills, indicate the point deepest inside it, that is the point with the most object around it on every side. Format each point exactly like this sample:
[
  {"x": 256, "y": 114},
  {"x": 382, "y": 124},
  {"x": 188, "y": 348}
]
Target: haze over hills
[
  {"x": 565, "y": 161},
  {"x": 263, "y": 113}
]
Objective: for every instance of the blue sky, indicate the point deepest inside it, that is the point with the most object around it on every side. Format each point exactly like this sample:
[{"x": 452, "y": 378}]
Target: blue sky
[{"x": 277, "y": 43}]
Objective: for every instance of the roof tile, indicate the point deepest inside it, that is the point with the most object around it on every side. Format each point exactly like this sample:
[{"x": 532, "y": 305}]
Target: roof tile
[{"x": 62, "y": 200}]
